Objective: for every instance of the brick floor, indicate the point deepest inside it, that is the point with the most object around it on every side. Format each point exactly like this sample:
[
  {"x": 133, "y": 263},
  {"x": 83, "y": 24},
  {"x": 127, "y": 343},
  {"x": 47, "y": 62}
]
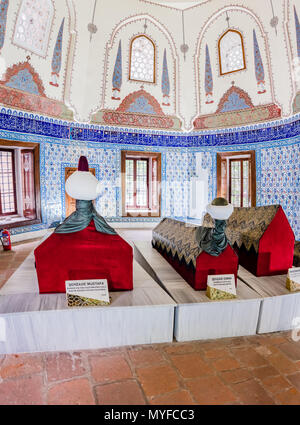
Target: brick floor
[
  {"x": 123, "y": 392},
  {"x": 156, "y": 374},
  {"x": 260, "y": 369}
]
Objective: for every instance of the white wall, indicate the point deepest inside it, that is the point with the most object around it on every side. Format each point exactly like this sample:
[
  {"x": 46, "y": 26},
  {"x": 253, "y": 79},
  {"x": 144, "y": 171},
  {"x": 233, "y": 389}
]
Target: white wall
[{"x": 85, "y": 82}]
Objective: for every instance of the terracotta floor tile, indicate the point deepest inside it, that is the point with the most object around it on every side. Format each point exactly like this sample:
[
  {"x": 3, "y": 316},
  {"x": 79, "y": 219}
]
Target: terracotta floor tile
[
  {"x": 126, "y": 392},
  {"x": 105, "y": 351},
  {"x": 295, "y": 380},
  {"x": 212, "y": 345},
  {"x": 264, "y": 350},
  {"x": 226, "y": 363},
  {"x": 264, "y": 372},
  {"x": 239, "y": 341},
  {"x": 253, "y": 340},
  {"x": 191, "y": 365},
  {"x": 177, "y": 348},
  {"x": 157, "y": 380},
  {"x": 235, "y": 376},
  {"x": 275, "y": 384},
  {"x": 145, "y": 356},
  {"x": 273, "y": 340},
  {"x": 109, "y": 368},
  {"x": 210, "y": 390},
  {"x": 291, "y": 396},
  {"x": 283, "y": 364},
  {"x": 61, "y": 366},
  {"x": 291, "y": 350},
  {"x": 74, "y": 392},
  {"x": 20, "y": 365},
  {"x": 225, "y": 371},
  {"x": 177, "y": 398},
  {"x": 251, "y": 392},
  {"x": 216, "y": 353},
  {"x": 248, "y": 357},
  {"x": 22, "y": 390}
]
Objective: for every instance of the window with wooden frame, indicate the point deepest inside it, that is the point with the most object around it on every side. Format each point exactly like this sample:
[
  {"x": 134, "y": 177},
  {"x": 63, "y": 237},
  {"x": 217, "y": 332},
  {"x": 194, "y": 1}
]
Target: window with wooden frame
[
  {"x": 19, "y": 184},
  {"x": 142, "y": 59},
  {"x": 8, "y": 204},
  {"x": 231, "y": 52},
  {"x": 141, "y": 179},
  {"x": 236, "y": 178}
]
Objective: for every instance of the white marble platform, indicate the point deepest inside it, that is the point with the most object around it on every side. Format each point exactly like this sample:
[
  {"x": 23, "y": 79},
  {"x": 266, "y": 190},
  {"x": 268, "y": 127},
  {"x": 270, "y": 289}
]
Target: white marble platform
[
  {"x": 30, "y": 322},
  {"x": 196, "y": 316},
  {"x": 280, "y": 309}
]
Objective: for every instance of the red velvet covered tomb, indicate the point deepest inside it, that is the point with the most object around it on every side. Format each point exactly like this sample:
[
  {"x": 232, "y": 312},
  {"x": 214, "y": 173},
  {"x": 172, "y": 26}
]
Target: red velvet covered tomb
[
  {"x": 262, "y": 237},
  {"x": 176, "y": 242},
  {"x": 86, "y": 254}
]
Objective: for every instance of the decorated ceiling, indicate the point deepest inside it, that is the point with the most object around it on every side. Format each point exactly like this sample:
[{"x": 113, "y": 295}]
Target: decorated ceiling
[{"x": 152, "y": 64}]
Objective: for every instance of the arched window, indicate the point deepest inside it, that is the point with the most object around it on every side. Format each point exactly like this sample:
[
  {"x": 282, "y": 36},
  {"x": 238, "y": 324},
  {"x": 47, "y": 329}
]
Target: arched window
[
  {"x": 33, "y": 25},
  {"x": 142, "y": 59},
  {"x": 231, "y": 52}
]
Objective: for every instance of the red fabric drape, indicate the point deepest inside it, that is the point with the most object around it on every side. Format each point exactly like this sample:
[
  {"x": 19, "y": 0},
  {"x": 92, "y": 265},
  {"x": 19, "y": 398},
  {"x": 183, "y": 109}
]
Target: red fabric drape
[
  {"x": 87, "y": 254},
  {"x": 276, "y": 247},
  {"x": 206, "y": 264}
]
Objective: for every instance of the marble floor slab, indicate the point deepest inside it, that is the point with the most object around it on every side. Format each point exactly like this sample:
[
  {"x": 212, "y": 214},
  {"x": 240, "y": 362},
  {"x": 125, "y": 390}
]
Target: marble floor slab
[
  {"x": 197, "y": 316},
  {"x": 43, "y": 322},
  {"x": 280, "y": 309}
]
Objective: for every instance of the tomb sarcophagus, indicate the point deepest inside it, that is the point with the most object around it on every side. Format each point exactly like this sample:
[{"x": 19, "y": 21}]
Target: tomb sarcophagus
[
  {"x": 84, "y": 246},
  {"x": 86, "y": 254},
  {"x": 262, "y": 238},
  {"x": 177, "y": 243}
]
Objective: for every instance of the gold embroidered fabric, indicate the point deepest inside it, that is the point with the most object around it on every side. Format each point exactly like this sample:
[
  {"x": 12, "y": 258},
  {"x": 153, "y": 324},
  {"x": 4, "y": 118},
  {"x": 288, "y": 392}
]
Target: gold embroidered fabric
[
  {"x": 246, "y": 225},
  {"x": 178, "y": 238},
  {"x": 79, "y": 301}
]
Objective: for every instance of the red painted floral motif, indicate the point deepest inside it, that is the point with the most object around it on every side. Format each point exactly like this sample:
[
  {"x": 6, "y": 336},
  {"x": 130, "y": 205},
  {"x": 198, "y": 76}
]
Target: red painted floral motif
[
  {"x": 15, "y": 69},
  {"x": 132, "y": 97},
  {"x": 238, "y": 118},
  {"x": 241, "y": 93},
  {"x": 137, "y": 120},
  {"x": 30, "y": 102}
]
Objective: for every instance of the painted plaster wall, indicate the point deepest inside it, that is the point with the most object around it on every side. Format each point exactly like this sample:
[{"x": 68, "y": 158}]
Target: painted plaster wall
[
  {"x": 85, "y": 82},
  {"x": 245, "y": 23},
  {"x": 14, "y": 54},
  {"x": 125, "y": 34},
  {"x": 203, "y": 25}
]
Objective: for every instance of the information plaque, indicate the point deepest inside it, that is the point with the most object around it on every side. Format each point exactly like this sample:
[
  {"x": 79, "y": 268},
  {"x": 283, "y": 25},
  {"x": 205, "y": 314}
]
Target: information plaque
[
  {"x": 86, "y": 293},
  {"x": 293, "y": 279},
  {"x": 221, "y": 286}
]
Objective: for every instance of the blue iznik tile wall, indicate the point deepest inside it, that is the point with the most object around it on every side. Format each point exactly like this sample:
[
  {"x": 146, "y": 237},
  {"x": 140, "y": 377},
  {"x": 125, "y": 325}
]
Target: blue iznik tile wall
[
  {"x": 280, "y": 181},
  {"x": 277, "y": 147}
]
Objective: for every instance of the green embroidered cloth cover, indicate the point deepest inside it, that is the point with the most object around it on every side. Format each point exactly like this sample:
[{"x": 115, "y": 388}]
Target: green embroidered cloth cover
[
  {"x": 177, "y": 237},
  {"x": 246, "y": 225},
  {"x": 187, "y": 241},
  {"x": 81, "y": 218},
  {"x": 212, "y": 239}
]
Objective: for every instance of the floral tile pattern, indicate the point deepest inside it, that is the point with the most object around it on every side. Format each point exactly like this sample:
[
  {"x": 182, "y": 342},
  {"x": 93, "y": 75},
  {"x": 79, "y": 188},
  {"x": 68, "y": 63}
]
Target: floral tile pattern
[
  {"x": 277, "y": 164},
  {"x": 280, "y": 181}
]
